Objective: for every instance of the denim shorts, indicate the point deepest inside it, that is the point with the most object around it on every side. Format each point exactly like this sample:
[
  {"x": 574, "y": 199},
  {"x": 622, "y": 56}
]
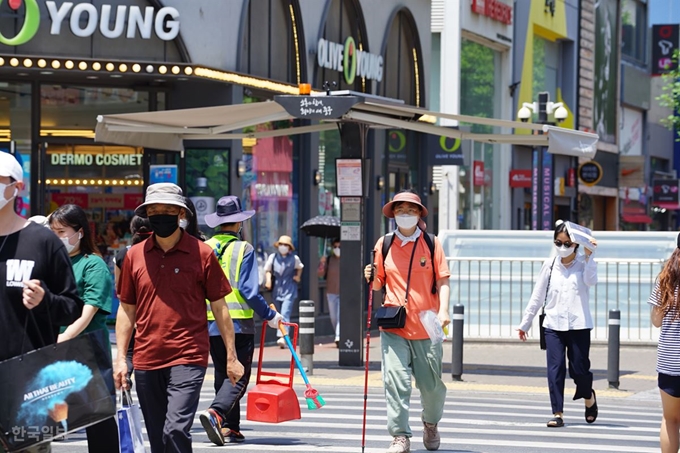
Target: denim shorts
[{"x": 670, "y": 384}]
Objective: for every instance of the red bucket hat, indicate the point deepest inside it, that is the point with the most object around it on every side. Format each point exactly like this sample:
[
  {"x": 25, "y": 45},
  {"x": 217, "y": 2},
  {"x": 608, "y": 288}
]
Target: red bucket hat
[{"x": 403, "y": 196}]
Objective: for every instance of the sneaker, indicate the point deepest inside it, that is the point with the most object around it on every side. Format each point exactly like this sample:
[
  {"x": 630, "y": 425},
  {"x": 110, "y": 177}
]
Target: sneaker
[
  {"x": 337, "y": 342},
  {"x": 281, "y": 342},
  {"x": 232, "y": 436},
  {"x": 431, "y": 438},
  {"x": 400, "y": 444},
  {"x": 212, "y": 423}
]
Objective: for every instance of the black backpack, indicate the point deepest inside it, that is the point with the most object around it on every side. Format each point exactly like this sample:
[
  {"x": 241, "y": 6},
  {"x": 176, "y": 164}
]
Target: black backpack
[{"x": 429, "y": 240}]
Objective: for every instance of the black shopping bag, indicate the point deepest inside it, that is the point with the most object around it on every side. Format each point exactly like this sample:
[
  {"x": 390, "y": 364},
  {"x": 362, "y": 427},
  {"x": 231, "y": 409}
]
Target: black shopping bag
[{"x": 55, "y": 390}]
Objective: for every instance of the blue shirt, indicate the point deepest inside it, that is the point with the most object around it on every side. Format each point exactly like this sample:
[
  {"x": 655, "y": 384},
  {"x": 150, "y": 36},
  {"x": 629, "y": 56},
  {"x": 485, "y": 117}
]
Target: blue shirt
[{"x": 249, "y": 287}]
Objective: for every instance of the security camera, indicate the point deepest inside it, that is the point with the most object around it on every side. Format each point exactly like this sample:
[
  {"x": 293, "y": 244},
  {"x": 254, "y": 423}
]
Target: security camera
[
  {"x": 561, "y": 114},
  {"x": 524, "y": 114}
]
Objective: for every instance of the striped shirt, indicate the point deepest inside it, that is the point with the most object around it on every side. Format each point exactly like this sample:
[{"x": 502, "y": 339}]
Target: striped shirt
[{"x": 668, "y": 352}]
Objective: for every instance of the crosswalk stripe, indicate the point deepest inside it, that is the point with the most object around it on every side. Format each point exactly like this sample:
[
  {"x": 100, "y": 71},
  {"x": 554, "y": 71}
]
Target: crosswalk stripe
[{"x": 482, "y": 423}]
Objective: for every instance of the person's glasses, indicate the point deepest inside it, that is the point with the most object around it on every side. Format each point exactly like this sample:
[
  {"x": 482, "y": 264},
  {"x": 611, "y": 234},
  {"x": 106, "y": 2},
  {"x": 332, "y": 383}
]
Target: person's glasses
[{"x": 567, "y": 244}]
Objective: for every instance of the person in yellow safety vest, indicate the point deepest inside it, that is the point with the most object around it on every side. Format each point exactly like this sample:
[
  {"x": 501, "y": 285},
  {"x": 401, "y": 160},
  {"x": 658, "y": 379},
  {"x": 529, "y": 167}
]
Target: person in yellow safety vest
[{"x": 222, "y": 421}]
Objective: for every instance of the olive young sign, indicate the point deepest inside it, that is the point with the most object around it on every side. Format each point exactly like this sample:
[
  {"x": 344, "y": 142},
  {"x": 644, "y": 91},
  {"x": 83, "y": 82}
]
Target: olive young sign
[
  {"x": 97, "y": 159},
  {"x": 349, "y": 60},
  {"x": 85, "y": 18}
]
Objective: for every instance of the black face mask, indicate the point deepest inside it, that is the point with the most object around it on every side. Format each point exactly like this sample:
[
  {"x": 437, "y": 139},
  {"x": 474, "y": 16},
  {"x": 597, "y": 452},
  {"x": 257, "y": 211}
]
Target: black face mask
[{"x": 163, "y": 225}]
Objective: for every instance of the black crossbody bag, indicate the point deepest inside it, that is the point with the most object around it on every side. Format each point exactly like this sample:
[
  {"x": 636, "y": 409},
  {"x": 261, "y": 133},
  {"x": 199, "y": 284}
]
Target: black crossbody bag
[
  {"x": 390, "y": 317},
  {"x": 541, "y": 317}
]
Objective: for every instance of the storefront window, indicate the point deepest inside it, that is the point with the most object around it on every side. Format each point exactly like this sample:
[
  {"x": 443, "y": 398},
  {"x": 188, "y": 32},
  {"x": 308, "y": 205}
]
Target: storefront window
[
  {"x": 207, "y": 180},
  {"x": 479, "y": 97},
  {"x": 633, "y": 29},
  {"x": 270, "y": 187},
  {"x": 72, "y": 110},
  {"x": 329, "y": 151},
  {"x": 546, "y": 63},
  {"x": 106, "y": 181},
  {"x": 15, "y": 126}
]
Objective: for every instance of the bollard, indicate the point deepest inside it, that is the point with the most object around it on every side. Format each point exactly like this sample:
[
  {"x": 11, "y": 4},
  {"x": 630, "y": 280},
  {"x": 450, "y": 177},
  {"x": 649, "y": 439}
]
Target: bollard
[
  {"x": 457, "y": 342},
  {"x": 613, "y": 348},
  {"x": 307, "y": 335}
]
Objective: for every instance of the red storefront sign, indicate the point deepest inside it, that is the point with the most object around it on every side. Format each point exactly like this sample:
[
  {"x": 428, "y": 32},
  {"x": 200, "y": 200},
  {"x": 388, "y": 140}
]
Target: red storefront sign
[
  {"x": 79, "y": 199},
  {"x": 107, "y": 200},
  {"x": 571, "y": 177},
  {"x": 478, "y": 175},
  {"x": 132, "y": 200},
  {"x": 520, "y": 178},
  {"x": 493, "y": 9}
]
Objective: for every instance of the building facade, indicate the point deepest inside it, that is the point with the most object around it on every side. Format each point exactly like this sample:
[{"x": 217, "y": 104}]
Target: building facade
[
  {"x": 64, "y": 63},
  {"x": 472, "y": 70}
]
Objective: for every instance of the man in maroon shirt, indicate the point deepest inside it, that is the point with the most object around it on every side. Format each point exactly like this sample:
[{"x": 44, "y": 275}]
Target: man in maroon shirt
[{"x": 162, "y": 288}]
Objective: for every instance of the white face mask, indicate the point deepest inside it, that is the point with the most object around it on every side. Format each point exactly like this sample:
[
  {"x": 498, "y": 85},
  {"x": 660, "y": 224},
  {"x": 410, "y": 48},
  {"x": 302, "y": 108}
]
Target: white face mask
[
  {"x": 283, "y": 249},
  {"x": 3, "y": 200},
  {"x": 336, "y": 251},
  {"x": 67, "y": 243},
  {"x": 183, "y": 223},
  {"x": 564, "y": 252},
  {"x": 406, "y": 221}
]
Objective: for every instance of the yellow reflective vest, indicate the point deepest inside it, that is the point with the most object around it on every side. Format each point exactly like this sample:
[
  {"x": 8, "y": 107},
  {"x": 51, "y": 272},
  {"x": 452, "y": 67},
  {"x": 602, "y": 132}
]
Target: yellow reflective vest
[{"x": 230, "y": 251}]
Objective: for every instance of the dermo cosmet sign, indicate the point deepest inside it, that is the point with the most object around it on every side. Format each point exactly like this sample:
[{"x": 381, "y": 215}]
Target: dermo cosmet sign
[{"x": 84, "y": 19}]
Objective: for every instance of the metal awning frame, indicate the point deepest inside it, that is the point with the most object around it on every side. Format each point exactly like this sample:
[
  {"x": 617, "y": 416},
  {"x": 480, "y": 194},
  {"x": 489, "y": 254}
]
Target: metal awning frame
[{"x": 165, "y": 130}]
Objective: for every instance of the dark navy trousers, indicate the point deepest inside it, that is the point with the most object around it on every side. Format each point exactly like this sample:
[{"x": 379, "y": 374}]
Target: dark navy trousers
[
  {"x": 576, "y": 344},
  {"x": 228, "y": 397}
]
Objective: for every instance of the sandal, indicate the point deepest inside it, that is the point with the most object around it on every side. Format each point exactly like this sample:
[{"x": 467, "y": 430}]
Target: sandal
[
  {"x": 556, "y": 422},
  {"x": 591, "y": 412}
]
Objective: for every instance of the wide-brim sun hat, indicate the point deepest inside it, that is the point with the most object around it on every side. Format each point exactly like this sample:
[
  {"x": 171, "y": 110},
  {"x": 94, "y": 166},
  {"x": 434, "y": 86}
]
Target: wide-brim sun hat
[
  {"x": 403, "y": 197},
  {"x": 285, "y": 240},
  {"x": 162, "y": 193},
  {"x": 228, "y": 210}
]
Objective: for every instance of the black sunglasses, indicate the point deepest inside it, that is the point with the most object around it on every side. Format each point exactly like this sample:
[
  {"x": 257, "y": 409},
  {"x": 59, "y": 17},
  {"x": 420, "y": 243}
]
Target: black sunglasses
[{"x": 566, "y": 244}]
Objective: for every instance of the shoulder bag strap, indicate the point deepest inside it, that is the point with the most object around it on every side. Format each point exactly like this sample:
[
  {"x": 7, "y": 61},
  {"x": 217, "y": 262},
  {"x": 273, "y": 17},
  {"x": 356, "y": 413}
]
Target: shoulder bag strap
[
  {"x": 408, "y": 276},
  {"x": 548, "y": 286}
]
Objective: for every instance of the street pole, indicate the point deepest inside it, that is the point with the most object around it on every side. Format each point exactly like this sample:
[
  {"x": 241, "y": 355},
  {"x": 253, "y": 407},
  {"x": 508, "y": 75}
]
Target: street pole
[{"x": 353, "y": 139}]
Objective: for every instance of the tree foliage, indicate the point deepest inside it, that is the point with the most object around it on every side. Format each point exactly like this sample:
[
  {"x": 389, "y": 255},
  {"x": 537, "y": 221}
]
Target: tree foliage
[
  {"x": 670, "y": 96},
  {"x": 477, "y": 82}
]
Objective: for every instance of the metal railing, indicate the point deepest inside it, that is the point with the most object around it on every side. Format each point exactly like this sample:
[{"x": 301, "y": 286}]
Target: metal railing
[{"x": 495, "y": 292}]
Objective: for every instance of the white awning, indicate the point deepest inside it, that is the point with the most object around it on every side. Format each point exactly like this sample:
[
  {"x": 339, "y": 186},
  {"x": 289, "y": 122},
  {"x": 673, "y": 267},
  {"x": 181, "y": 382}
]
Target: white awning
[{"x": 168, "y": 129}]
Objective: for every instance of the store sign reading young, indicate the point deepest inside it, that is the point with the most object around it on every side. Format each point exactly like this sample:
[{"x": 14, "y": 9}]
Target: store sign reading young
[
  {"x": 97, "y": 159},
  {"x": 349, "y": 60},
  {"x": 84, "y": 19}
]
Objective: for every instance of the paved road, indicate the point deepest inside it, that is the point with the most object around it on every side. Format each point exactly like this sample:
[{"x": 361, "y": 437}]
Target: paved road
[{"x": 473, "y": 422}]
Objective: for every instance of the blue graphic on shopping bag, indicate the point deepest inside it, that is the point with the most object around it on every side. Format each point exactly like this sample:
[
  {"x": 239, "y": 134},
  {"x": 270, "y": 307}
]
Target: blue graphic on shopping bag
[{"x": 45, "y": 395}]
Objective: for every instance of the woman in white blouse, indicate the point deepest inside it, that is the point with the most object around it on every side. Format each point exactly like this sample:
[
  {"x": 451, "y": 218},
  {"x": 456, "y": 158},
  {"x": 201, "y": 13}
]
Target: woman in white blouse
[{"x": 563, "y": 287}]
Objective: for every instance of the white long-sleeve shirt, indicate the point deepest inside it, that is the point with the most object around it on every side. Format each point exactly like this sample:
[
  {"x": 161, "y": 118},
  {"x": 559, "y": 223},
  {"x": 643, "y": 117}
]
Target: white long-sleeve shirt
[{"x": 567, "y": 305}]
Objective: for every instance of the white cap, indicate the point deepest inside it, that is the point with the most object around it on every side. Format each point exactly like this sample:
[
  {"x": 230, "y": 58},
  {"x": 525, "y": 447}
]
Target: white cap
[{"x": 9, "y": 166}]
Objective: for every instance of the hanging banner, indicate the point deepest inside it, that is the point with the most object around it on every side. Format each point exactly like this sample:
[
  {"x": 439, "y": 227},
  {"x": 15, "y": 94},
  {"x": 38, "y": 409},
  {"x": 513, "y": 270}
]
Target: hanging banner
[
  {"x": 547, "y": 191},
  {"x": 443, "y": 150},
  {"x": 478, "y": 175},
  {"x": 535, "y": 190}
]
